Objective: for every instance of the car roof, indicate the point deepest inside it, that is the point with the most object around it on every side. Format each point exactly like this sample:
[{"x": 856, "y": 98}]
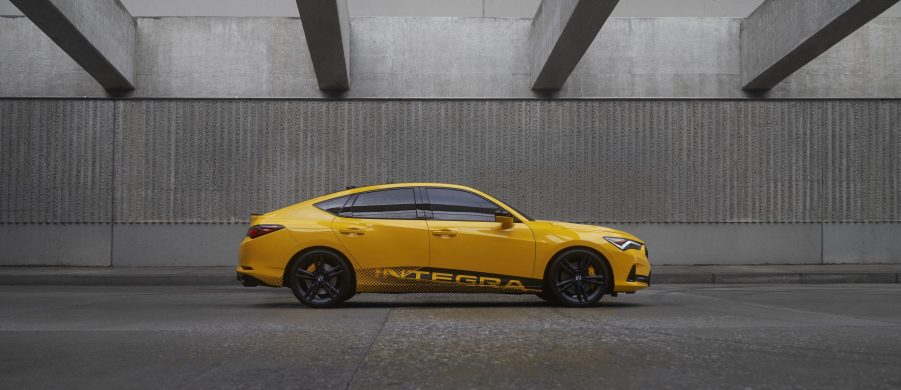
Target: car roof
[
  {"x": 357, "y": 190},
  {"x": 400, "y": 185}
]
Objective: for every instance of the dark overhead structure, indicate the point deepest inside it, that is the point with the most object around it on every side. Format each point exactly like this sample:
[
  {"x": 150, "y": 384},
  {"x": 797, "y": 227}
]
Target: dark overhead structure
[
  {"x": 326, "y": 25},
  {"x": 562, "y": 32},
  {"x": 781, "y": 36},
  {"x": 98, "y": 34}
]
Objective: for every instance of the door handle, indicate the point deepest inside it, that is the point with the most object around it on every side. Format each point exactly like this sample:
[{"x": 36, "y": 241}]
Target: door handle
[
  {"x": 353, "y": 231},
  {"x": 446, "y": 233}
]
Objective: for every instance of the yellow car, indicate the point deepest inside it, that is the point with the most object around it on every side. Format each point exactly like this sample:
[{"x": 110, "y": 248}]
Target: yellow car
[{"x": 430, "y": 237}]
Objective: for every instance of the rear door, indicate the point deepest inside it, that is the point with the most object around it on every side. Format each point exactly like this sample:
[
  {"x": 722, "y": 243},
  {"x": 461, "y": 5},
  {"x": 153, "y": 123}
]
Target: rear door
[{"x": 383, "y": 228}]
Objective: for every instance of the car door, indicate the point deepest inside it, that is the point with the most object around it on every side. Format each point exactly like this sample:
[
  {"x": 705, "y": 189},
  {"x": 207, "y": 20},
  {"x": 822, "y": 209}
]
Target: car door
[
  {"x": 383, "y": 228},
  {"x": 464, "y": 236}
]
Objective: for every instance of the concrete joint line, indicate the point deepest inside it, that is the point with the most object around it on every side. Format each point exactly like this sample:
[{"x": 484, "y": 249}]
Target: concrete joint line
[{"x": 369, "y": 350}]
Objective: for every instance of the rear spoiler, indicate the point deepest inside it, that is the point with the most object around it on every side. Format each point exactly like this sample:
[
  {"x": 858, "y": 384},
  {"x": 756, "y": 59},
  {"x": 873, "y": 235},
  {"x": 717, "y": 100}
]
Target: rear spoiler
[{"x": 253, "y": 218}]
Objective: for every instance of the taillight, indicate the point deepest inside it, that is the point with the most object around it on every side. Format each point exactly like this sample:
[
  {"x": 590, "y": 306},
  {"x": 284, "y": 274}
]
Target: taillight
[{"x": 262, "y": 230}]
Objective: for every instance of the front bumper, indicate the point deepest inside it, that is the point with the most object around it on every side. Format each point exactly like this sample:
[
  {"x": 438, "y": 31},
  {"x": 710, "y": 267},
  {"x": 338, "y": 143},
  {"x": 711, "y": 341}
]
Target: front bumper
[
  {"x": 643, "y": 279},
  {"x": 635, "y": 278}
]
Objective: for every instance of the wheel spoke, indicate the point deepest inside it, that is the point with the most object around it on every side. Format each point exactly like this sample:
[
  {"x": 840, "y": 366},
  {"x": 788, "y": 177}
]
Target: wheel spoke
[
  {"x": 565, "y": 284},
  {"x": 303, "y": 274},
  {"x": 594, "y": 279},
  {"x": 319, "y": 266},
  {"x": 311, "y": 293},
  {"x": 569, "y": 268},
  {"x": 334, "y": 271},
  {"x": 580, "y": 291},
  {"x": 329, "y": 290},
  {"x": 583, "y": 264}
]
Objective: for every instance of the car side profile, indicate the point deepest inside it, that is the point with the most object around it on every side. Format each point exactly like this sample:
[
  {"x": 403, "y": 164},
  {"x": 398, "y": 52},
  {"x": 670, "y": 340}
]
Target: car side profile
[{"x": 432, "y": 237}]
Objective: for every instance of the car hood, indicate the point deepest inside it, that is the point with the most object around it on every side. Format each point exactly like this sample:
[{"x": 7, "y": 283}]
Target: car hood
[{"x": 606, "y": 231}]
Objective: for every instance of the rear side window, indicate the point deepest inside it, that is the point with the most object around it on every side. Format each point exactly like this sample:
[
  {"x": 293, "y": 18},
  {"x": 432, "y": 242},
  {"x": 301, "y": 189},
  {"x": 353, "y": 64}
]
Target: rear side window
[
  {"x": 333, "y": 206},
  {"x": 457, "y": 205},
  {"x": 397, "y": 203}
]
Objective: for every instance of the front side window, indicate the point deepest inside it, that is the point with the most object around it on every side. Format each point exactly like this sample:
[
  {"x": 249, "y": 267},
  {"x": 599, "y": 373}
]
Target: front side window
[
  {"x": 397, "y": 203},
  {"x": 457, "y": 205}
]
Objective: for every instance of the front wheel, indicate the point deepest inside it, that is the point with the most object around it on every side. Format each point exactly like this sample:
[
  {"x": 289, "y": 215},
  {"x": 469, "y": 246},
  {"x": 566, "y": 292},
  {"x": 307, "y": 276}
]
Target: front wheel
[
  {"x": 321, "y": 278},
  {"x": 577, "y": 278}
]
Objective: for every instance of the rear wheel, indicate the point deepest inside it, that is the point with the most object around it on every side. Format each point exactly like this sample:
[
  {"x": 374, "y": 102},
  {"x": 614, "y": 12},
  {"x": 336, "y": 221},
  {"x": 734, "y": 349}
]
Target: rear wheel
[
  {"x": 321, "y": 278},
  {"x": 577, "y": 278}
]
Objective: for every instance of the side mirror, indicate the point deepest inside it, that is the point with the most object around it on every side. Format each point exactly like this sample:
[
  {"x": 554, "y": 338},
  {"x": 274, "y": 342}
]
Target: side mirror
[{"x": 504, "y": 218}]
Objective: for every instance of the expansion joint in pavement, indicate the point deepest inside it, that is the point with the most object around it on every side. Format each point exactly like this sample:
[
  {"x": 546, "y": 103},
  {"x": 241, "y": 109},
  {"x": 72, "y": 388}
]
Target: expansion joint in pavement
[{"x": 369, "y": 349}]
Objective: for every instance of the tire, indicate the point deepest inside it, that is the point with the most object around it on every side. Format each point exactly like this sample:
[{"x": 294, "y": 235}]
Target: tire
[
  {"x": 321, "y": 278},
  {"x": 577, "y": 278}
]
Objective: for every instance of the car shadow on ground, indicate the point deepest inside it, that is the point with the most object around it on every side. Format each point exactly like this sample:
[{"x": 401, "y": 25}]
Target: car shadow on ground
[{"x": 443, "y": 304}]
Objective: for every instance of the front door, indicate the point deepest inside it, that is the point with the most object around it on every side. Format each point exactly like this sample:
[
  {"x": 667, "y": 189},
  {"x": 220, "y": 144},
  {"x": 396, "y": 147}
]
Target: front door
[{"x": 464, "y": 237}]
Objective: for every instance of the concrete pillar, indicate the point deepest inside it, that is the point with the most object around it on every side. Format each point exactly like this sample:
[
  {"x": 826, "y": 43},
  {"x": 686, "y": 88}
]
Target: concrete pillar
[
  {"x": 98, "y": 34},
  {"x": 561, "y": 33},
  {"x": 781, "y": 36},
  {"x": 326, "y": 26}
]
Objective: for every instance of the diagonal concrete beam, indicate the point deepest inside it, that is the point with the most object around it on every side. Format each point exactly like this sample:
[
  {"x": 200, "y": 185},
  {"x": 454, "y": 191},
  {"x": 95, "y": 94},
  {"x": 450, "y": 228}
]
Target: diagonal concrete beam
[
  {"x": 326, "y": 26},
  {"x": 98, "y": 34},
  {"x": 781, "y": 36},
  {"x": 562, "y": 31}
]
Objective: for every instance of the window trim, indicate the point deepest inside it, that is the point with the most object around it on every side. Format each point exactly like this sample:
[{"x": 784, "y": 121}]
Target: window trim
[
  {"x": 353, "y": 199},
  {"x": 341, "y": 209},
  {"x": 428, "y": 201}
]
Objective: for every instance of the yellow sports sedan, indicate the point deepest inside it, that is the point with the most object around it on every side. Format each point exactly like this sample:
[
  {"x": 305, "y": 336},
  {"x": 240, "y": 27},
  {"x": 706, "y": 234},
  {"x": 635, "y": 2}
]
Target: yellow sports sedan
[{"x": 430, "y": 237}]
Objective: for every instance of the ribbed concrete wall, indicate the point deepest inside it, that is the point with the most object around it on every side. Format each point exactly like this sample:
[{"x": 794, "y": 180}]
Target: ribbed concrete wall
[
  {"x": 590, "y": 161},
  {"x": 56, "y": 161},
  {"x": 774, "y": 168}
]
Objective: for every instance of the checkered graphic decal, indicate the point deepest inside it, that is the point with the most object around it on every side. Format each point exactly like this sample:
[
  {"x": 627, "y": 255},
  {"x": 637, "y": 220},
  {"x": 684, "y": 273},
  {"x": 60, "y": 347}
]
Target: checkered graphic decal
[
  {"x": 271, "y": 280},
  {"x": 432, "y": 280}
]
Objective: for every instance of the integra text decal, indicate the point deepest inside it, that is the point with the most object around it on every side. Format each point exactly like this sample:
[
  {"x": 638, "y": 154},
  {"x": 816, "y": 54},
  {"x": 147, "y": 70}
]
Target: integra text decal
[{"x": 460, "y": 277}]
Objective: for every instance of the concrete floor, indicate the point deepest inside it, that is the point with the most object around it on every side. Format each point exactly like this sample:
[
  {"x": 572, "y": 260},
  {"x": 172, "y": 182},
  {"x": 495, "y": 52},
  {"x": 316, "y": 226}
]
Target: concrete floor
[{"x": 676, "y": 336}]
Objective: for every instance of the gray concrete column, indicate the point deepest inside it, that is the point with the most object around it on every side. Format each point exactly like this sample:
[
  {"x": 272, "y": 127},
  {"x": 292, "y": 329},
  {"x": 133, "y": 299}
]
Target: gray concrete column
[
  {"x": 561, "y": 33},
  {"x": 781, "y": 36},
  {"x": 98, "y": 34},
  {"x": 326, "y": 26}
]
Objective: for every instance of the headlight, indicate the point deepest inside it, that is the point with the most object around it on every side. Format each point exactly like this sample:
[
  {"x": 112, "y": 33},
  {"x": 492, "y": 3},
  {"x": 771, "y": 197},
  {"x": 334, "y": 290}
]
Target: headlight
[{"x": 623, "y": 244}]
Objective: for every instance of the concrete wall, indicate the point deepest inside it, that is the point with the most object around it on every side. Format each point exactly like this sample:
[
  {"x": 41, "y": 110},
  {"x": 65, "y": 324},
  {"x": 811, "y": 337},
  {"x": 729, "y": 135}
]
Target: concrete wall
[
  {"x": 468, "y": 8},
  {"x": 172, "y": 182},
  {"x": 33, "y": 65},
  {"x": 446, "y": 57}
]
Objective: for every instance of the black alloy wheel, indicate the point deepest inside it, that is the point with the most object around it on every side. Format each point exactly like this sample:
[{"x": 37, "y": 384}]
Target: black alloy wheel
[
  {"x": 321, "y": 278},
  {"x": 577, "y": 278}
]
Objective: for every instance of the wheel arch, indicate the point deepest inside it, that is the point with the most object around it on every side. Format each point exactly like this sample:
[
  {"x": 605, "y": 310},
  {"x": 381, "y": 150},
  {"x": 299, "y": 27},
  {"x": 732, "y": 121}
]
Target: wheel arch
[
  {"x": 299, "y": 254},
  {"x": 604, "y": 259}
]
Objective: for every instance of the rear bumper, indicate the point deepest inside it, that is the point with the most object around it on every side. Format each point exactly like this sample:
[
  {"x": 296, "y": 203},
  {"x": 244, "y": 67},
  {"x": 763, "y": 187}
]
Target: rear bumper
[{"x": 249, "y": 279}]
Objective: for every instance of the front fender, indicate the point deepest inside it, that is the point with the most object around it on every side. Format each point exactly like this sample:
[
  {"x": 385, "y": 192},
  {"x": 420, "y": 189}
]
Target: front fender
[{"x": 553, "y": 238}]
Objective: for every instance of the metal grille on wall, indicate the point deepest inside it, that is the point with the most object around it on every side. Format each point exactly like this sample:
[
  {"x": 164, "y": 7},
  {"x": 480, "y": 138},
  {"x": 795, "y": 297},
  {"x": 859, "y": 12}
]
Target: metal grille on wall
[{"x": 196, "y": 161}]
